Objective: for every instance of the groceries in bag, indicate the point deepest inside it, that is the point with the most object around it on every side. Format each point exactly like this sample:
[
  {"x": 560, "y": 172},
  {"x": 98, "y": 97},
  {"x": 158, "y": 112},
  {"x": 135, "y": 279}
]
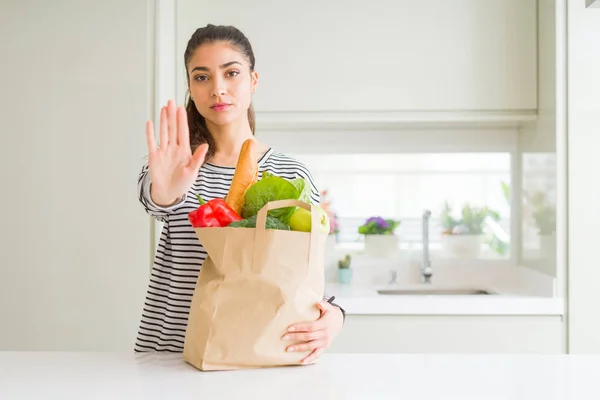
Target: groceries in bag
[
  {"x": 247, "y": 195},
  {"x": 264, "y": 272}
]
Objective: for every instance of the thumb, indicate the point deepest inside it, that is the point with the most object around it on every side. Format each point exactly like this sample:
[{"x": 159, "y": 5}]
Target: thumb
[
  {"x": 199, "y": 156},
  {"x": 323, "y": 307}
]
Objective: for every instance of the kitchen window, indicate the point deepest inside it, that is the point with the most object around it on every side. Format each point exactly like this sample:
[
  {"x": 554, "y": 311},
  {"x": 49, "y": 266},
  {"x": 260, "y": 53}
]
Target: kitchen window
[{"x": 402, "y": 186}]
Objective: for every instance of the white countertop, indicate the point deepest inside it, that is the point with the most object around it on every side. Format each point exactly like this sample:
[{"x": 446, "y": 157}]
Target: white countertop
[
  {"x": 151, "y": 376},
  {"x": 364, "y": 300}
]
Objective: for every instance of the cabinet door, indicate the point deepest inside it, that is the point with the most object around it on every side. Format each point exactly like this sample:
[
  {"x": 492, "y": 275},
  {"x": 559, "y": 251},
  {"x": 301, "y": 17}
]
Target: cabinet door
[
  {"x": 342, "y": 55},
  {"x": 450, "y": 334}
]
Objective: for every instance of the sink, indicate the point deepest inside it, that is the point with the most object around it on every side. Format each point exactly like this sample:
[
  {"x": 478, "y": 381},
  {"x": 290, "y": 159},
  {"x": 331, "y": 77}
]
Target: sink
[{"x": 436, "y": 291}]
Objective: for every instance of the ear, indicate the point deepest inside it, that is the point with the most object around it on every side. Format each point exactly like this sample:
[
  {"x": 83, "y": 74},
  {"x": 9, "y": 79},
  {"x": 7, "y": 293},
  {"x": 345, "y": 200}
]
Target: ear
[{"x": 254, "y": 80}]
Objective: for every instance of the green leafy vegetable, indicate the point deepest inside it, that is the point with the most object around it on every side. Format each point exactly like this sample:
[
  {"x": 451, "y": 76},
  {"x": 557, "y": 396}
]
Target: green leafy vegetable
[
  {"x": 303, "y": 189},
  {"x": 271, "y": 188},
  {"x": 271, "y": 223}
]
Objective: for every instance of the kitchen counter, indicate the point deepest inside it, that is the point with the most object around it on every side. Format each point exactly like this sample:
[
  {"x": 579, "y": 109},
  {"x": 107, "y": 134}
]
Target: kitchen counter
[
  {"x": 364, "y": 300},
  {"x": 57, "y": 375}
]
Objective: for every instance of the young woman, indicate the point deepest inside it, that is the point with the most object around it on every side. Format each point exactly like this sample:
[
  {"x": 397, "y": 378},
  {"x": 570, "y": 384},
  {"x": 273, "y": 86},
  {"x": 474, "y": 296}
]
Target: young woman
[{"x": 197, "y": 153}]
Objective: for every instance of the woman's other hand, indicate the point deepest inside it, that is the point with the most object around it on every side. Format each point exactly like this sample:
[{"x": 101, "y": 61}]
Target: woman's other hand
[
  {"x": 316, "y": 336},
  {"x": 173, "y": 168}
]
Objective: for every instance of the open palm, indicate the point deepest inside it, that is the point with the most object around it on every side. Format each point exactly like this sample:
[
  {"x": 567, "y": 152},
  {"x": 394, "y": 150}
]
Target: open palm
[{"x": 173, "y": 167}]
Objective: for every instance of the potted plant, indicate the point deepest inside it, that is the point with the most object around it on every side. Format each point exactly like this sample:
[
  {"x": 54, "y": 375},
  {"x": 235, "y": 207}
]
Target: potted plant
[
  {"x": 464, "y": 236},
  {"x": 380, "y": 238},
  {"x": 545, "y": 219},
  {"x": 344, "y": 270}
]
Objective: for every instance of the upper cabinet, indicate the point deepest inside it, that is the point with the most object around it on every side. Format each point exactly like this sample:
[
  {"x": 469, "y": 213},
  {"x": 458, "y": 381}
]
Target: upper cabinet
[{"x": 382, "y": 55}]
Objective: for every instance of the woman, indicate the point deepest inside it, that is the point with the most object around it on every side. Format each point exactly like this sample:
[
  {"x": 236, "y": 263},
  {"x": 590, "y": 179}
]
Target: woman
[{"x": 197, "y": 153}]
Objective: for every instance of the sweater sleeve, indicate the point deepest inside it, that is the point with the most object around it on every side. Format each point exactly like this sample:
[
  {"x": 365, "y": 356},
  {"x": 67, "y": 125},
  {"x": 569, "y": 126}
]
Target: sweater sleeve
[{"x": 152, "y": 209}]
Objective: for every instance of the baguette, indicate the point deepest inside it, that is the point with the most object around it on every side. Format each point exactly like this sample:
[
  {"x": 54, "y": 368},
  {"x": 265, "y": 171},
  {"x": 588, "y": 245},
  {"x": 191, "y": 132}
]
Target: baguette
[{"x": 246, "y": 174}]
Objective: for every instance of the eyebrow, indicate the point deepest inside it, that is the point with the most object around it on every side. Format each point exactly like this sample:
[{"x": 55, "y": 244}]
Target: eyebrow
[{"x": 228, "y": 64}]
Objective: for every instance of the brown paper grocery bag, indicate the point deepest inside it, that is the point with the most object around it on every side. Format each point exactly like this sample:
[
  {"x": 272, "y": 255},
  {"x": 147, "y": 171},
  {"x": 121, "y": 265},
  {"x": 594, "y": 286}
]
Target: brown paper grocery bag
[{"x": 253, "y": 285}]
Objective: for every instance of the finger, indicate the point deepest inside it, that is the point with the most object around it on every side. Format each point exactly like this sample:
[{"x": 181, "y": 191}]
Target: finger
[
  {"x": 306, "y": 336},
  {"x": 308, "y": 346},
  {"x": 164, "y": 130},
  {"x": 313, "y": 356},
  {"x": 199, "y": 156},
  {"x": 172, "y": 122},
  {"x": 309, "y": 326},
  {"x": 183, "y": 130},
  {"x": 152, "y": 147}
]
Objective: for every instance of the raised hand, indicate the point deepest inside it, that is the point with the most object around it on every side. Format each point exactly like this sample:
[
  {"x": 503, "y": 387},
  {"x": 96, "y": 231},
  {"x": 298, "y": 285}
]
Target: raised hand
[{"x": 173, "y": 167}]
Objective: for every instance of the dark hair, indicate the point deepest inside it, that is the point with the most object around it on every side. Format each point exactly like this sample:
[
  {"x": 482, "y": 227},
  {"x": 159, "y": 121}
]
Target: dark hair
[{"x": 213, "y": 33}]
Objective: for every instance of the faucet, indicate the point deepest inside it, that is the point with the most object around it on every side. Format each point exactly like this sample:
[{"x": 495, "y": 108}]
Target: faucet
[
  {"x": 426, "y": 270},
  {"x": 393, "y": 278}
]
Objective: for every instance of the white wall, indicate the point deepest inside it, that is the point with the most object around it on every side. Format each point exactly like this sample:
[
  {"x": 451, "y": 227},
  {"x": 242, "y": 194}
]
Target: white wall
[
  {"x": 584, "y": 191},
  {"x": 76, "y": 93}
]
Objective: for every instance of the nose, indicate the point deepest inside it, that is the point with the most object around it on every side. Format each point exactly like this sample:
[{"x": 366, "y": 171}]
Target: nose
[{"x": 218, "y": 88}]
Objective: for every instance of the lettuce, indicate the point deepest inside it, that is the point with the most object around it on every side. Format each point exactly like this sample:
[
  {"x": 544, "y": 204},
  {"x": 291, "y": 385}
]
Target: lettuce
[
  {"x": 303, "y": 188},
  {"x": 271, "y": 188}
]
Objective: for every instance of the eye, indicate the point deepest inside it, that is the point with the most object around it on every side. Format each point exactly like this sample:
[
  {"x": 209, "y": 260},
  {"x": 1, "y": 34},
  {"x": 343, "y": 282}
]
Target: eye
[
  {"x": 233, "y": 73},
  {"x": 201, "y": 78}
]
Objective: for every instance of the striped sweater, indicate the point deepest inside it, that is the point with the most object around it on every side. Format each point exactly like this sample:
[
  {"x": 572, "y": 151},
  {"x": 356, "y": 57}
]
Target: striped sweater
[{"x": 180, "y": 254}]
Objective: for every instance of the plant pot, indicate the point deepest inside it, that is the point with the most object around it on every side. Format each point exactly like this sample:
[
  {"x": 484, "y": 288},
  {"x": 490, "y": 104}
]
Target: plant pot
[
  {"x": 463, "y": 246},
  {"x": 547, "y": 246},
  {"x": 381, "y": 246},
  {"x": 345, "y": 275}
]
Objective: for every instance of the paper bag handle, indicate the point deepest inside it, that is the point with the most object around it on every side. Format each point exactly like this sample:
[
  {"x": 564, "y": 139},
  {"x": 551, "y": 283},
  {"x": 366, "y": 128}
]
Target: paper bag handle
[
  {"x": 261, "y": 217},
  {"x": 261, "y": 220}
]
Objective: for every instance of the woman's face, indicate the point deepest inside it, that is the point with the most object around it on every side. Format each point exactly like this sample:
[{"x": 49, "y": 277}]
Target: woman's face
[{"x": 221, "y": 83}]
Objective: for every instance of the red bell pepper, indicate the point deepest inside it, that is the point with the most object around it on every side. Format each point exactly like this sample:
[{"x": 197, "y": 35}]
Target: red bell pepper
[{"x": 214, "y": 213}]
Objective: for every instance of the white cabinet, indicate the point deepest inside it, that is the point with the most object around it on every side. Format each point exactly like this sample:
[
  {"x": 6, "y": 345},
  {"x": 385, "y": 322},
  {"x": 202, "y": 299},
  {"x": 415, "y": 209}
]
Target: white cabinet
[
  {"x": 381, "y": 55},
  {"x": 450, "y": 334}
]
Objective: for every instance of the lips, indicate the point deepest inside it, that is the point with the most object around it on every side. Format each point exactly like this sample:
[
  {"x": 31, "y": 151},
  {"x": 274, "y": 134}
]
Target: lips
[{"x": 220, "y": 106}]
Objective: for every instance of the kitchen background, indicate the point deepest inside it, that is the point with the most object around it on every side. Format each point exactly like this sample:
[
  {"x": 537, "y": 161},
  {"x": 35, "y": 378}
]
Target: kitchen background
[
  {"x": 432, "y": 103},
  {"x": 396, "y": 108}
]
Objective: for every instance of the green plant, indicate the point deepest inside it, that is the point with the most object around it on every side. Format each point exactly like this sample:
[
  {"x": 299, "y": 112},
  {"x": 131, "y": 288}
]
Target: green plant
[
  {"x": 497, "y": 244},
  {"x": 471, "y": 219},
  {"x": 344, "y": 263},
  {"x": 541, "y": 211},
  {"x": 447, "y": 221},
  {"x": 506, "y": 191},
  {"x": 544, "y": 217},
  {"x": 378, "y": 226}
]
